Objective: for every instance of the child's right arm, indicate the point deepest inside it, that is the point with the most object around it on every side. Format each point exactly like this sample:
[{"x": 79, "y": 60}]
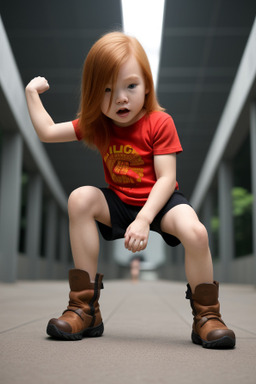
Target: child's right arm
[{"x": 46, "y": 129}]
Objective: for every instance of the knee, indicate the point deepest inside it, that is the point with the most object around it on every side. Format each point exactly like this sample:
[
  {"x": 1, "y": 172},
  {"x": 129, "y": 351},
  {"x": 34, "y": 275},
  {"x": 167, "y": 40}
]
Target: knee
[
  {"x": 80, "y": 202},
  {"x": 198, "y": 236}
]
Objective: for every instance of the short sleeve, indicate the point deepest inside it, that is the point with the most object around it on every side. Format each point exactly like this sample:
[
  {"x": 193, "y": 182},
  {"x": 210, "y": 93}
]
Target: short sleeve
[
  {"x": 165, "y": 137},
  {"x": 77, "y": 129}
]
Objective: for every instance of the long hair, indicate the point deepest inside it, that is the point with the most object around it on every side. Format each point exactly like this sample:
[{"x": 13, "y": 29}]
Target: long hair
[{"x": 101, "y": 66}]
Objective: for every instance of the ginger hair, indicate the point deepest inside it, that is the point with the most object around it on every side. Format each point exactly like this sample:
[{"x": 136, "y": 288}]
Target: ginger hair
[{"x": 101, "y": 66}]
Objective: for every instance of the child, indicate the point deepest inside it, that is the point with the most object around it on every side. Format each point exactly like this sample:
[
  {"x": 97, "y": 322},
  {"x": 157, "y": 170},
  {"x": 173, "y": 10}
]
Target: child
[
  {"x": 120, "y": 117},
  {"x": 135, "y": 265}
]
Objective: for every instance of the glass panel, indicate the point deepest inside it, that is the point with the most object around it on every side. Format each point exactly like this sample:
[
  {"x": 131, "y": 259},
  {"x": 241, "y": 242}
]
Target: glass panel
[{"x": 242, "y": 199}]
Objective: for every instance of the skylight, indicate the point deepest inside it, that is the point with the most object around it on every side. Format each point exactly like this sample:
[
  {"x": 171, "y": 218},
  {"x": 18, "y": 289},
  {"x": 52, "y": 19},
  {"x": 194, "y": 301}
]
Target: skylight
[{"x": 143, "y": 19}]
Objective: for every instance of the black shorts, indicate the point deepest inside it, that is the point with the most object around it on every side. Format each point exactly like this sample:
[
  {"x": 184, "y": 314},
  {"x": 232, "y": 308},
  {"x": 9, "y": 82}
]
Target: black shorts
[{"x": 122, "y": 215}]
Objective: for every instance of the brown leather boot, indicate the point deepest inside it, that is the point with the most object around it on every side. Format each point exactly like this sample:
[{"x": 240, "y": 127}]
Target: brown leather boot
[
  {"x": 82, "y": 317},
  {"x": 208, "y": 330}
]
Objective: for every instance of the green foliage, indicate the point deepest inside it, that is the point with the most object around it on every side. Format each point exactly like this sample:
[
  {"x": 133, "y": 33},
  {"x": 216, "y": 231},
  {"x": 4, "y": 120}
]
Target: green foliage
[
  {"x": 242, "y": 211},
  {"x": 242, "y": 201},
  {"x": 215, "y": 223}
]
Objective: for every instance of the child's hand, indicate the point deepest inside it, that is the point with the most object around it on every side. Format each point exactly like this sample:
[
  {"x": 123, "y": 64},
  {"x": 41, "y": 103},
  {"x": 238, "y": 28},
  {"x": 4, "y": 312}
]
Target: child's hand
[
  {"x": 136, "y": 235},
  {"x": 38, "y": 84}
]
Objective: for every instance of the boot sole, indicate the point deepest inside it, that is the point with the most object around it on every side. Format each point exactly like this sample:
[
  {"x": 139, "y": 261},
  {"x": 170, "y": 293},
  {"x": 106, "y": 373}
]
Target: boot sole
[
  {"x": 56, "y": 333},
  {"x": 222, "y": 343}
]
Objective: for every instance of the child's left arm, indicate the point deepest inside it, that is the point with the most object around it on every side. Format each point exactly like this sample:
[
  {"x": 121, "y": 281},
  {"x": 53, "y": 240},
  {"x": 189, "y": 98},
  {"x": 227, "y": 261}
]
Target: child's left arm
[{"x": 138, "y": 230}]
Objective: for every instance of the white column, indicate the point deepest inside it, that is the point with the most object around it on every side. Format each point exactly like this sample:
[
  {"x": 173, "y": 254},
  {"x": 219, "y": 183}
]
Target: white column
[
  {"x": 180, "y": 252},
  {"x": 34, "y": 222},
  {"x": 253, "y": 168},
  {"x": 51, "y": 236},
  {"x": 64, "y": 240},
  {"x": 226, "y": 231},
  {"x": 10, "y": 197},
  {"x": 207, "y": 210}
]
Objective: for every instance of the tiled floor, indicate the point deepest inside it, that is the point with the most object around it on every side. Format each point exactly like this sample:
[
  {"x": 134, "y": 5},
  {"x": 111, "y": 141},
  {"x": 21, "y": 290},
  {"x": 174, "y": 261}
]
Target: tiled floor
[{"x": 146, "y": 338}]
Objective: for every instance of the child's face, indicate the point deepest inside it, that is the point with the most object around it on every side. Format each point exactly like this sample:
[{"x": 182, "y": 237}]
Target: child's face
[{"x": 129, "y": 95}]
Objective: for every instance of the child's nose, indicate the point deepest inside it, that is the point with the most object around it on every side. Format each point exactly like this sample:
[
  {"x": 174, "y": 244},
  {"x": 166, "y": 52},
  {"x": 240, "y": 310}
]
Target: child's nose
[{"x": 121, "y": 98}]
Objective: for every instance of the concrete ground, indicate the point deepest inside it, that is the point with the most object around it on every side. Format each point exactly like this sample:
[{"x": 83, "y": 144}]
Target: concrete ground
[{"x": 146, "y": 339}]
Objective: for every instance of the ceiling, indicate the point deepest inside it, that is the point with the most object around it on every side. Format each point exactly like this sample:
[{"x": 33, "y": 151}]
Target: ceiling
[{"x": 203, "y": 41}]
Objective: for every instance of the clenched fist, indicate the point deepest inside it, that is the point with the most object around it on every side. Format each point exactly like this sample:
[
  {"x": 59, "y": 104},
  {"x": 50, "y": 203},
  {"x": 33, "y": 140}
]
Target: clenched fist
[{"x": 39, "y": 84}]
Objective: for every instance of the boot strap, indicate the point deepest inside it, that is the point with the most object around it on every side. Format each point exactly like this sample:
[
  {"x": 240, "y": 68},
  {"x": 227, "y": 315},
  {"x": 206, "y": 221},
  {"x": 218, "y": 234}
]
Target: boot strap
[
  {"x": 188, "y": 293},
  {"x": 204, "y": 320},
  {"x": 92, "y": 285},
  {"x": 76, "y": 311}
]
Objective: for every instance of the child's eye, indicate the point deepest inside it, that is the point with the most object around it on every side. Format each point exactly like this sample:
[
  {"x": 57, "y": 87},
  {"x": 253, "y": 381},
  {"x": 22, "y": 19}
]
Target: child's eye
[
  {"x": 132, "y": 86},
  {"x": 107, "y": 90}
]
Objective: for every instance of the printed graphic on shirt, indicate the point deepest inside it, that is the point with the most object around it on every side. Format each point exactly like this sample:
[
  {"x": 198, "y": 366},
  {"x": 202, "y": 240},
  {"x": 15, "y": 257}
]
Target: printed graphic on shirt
[{"x": 124, "y": 164}]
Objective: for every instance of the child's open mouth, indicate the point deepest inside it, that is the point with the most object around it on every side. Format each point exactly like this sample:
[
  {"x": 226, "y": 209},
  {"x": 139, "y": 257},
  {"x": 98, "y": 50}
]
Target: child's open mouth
[{"x": 123, "y": 112}]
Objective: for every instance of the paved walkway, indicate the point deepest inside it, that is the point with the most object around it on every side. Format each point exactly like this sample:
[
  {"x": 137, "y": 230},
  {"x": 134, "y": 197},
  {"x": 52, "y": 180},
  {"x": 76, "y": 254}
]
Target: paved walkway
[{"x": 146, "y": 339}]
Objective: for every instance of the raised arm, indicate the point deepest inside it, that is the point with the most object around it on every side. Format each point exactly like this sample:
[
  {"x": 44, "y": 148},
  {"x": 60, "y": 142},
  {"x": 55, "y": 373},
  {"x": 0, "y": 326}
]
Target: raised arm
[{"x": 45, "y": 127}]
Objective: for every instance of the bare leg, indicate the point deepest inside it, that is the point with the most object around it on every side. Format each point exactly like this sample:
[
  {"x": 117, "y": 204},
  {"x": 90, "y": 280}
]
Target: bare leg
[
  {"x": 86, "y": 204},
  {"x": 182, "y": 222}
]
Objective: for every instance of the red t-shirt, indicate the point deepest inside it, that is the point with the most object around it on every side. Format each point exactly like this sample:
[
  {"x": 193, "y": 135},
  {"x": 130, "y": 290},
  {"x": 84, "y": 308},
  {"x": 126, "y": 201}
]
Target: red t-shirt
[{"x": 128, "y": 161}]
